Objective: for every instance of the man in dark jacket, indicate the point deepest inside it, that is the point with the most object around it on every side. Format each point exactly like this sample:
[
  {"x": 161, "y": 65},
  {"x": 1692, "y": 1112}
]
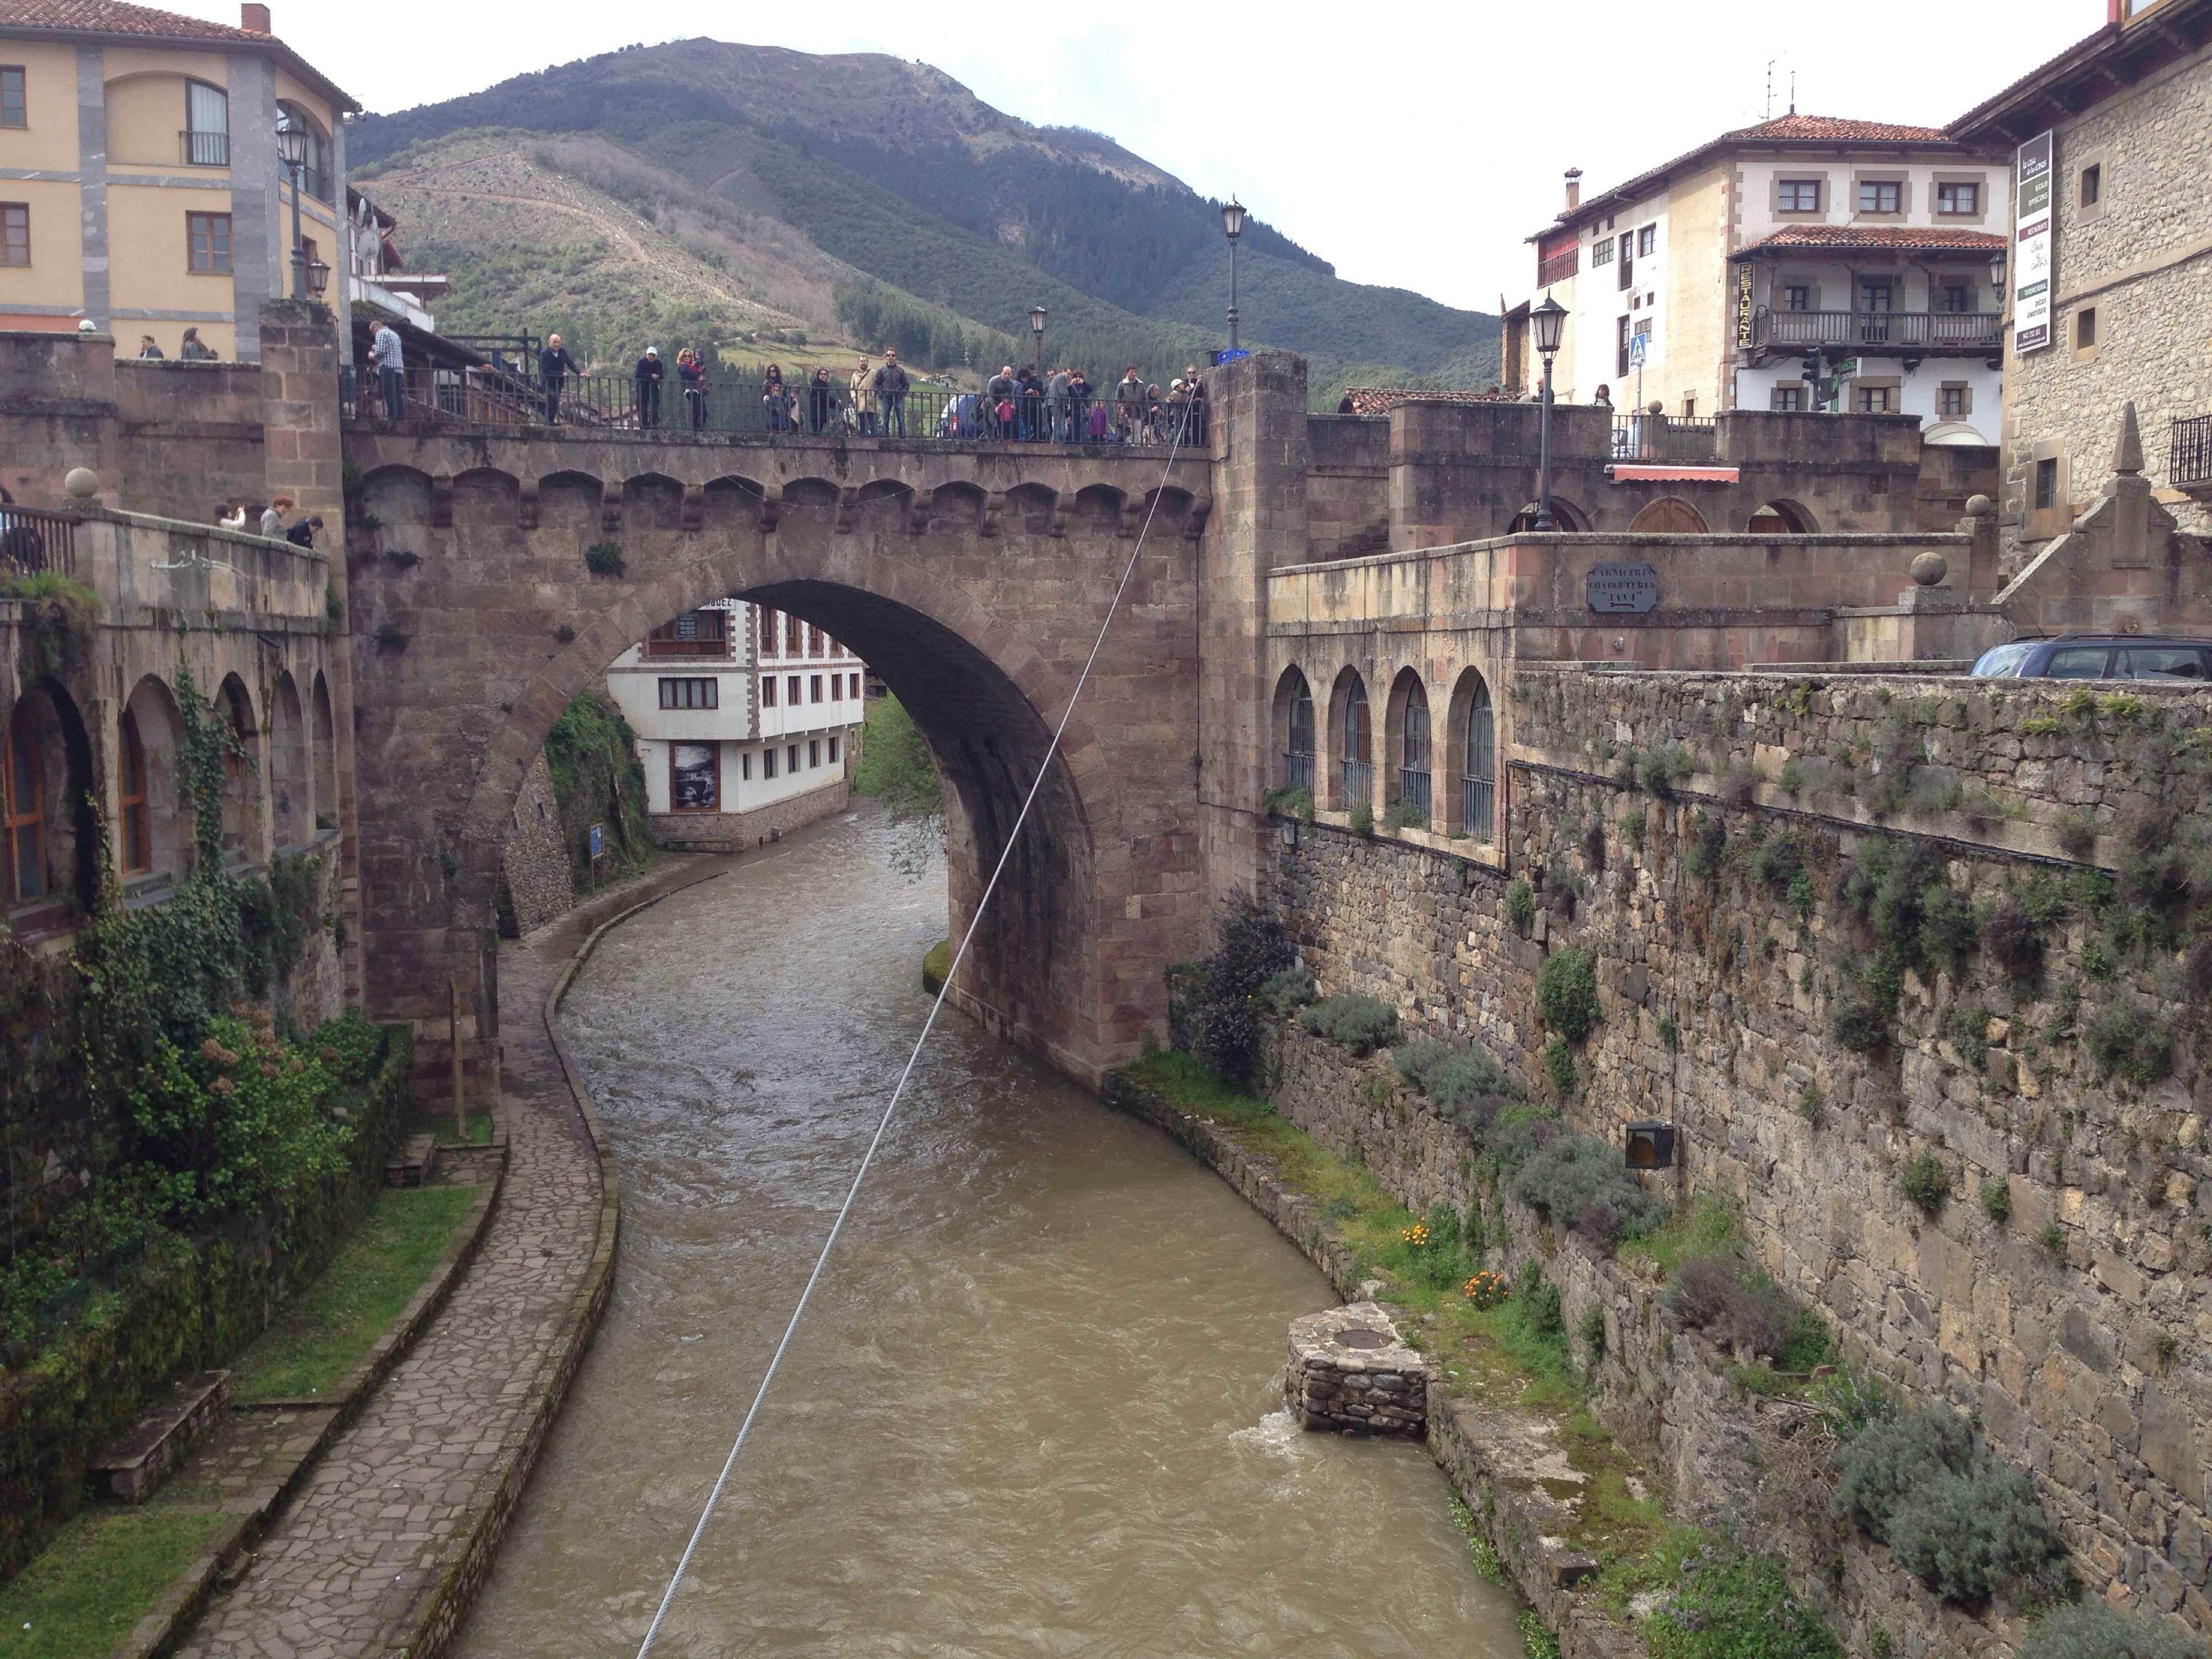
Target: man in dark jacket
[
  {"x": 555, "y": 366},
  {"x": 1060, "y": 402},
  {"x": 1001, "y": 389},
  {"x": 890, "y": 395},
  {"x": 649, "y": 388},
  {"x": 1129, "y": 405}
]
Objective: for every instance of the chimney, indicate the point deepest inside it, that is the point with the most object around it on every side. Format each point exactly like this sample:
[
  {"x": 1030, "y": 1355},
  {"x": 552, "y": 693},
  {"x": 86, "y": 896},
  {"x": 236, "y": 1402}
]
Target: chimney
[
  {"x": 1574, "y": 188},
  {"x": 255, "y": 18},
  {"x": 2116, "y": 11}
]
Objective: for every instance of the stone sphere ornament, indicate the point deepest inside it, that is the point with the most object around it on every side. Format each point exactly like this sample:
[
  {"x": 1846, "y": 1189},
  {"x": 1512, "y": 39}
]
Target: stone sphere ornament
[
  {"x": 1929, "y": 568},
  {"x": 82, "y": 483}
]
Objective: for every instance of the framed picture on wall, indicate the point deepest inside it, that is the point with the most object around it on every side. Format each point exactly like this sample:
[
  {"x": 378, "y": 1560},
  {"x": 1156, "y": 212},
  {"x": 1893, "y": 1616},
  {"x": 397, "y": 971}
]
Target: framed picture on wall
[{"x": 694, "y": 777}]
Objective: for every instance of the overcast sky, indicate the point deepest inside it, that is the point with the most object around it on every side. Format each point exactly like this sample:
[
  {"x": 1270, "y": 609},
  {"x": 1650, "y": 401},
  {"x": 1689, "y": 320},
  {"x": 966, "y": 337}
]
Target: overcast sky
[{"x": 1411, "y": 144}]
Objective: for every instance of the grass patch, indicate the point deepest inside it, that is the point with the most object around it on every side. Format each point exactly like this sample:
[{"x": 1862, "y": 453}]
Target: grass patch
[
  {"x": 1704, "y": 1226},
  {"x": 480, "y": 1129},
  {"x": 330, "y": 1330},
  {"x": 100, "y": 1577}
]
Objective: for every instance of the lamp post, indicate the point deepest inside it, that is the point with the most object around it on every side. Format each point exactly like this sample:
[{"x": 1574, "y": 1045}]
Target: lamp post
[
  {"x": 292, "y": 151},
  {"x": 1037, "y": 328},
  {"x": 1548, "y": 320},
  {"x": 1233, "y": 220}
]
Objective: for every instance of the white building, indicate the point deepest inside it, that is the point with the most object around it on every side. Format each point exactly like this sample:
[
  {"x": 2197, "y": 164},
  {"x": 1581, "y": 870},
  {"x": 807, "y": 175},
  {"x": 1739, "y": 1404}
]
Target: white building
[
  {"x": 745, "y": 719},
  {"x": 1859, "y": 252}
]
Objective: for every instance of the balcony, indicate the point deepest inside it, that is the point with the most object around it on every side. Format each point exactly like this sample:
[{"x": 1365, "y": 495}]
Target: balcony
[
  {"x": 2188, "y": 453},
  {"x": 201, "y": 149},
  {"x": 1970, "y": 334},
  {"x": 1558, "y": 267}
]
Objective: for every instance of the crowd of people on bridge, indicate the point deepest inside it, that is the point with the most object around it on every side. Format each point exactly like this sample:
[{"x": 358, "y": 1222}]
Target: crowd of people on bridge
[{"x": 1021, "y": 405}]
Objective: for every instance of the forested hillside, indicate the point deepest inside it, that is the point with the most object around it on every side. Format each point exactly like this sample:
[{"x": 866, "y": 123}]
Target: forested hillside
[{"x": 702, "y": 189}]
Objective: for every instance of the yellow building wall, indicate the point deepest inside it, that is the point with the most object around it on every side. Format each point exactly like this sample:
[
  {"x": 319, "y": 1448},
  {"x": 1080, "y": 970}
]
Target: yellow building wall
[
  {"x": 49, "y": 141},
  {"x": 146, "y": 120},
  {"x": 54, "y": 276},
  {"x": 1698, "y": 212},
  {"x": 149, "y": 259}
]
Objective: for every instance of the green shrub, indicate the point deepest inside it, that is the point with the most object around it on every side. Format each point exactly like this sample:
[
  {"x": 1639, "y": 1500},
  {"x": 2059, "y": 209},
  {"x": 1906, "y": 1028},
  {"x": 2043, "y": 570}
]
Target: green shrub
[
  {"x": 1858, "y": 1024},
  {"x": 1465, "y": 1084},
  {"x": 2090, "y": 1630},
  {"x": 1592, "y": 1332},
  {"x": 1631, "y": 825},
  {"x": 1355, "y": 1021},
  {"x": 1736, "y": 1608},
  {"x": 1663, "y": 769},
  {"x": 2129, "y": 1042},
  {"x": 1287, "y": 990},
  {"x": 1924, "y": 1182},
  {"x": 1559, "y": 1067},
  {"x": 2077, "y": 835},
  {"x": 1406, "y": 814},
  {"x": 350, "y": 1046},
  {"x": 1289, "y": 803},
  {"x": 1521, "y": 904},
  {"x": 1540, "y": 1313},
  {"x": 1362, "y": 818},
  {"x": 1997, "y": 1199},
  {"x": 1214, "y": 1005},
  {"x": 1582, "y": 1181},
  {"x": 1566, "y": 993},
  {"x": 604, "y": 559},
  {"x": 1708, "y": 847},
  {"x": 2013, "y": 941},
  {"x": 1886, "y": 1460},
  {"x": 1670, "y": 1033},
  {"x": 1594, "y": 844}
]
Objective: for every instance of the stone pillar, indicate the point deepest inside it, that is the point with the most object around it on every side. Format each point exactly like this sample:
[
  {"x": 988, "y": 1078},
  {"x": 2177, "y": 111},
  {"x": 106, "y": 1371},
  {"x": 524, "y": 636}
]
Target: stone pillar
[
  {"x": 1349, "y": 1372},
  {"x": 303, "y": 451},
  {"x": 1258, "y": 521}
]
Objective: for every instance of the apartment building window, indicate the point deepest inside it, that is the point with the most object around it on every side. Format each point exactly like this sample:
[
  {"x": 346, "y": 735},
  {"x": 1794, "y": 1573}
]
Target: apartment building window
[
  {"x": 1627, "y": 259},
  {"x": 1788, "y": 399},
  {"x": 316, "y": 168},
  {"x": 1876, "y": 400},
  {"x": 694, "y": 777},
  {"x": 1798, "y": 196},
  {"x": 1601, "y": 252},
  {"x": 833, "y": 751},
  {"x": 814, "y": 752},
  {"x": 1962, "y": 199},
  {"x": 207, "y": 237},
  {"x": 768, "y": 690},
  {"x": 790, "y": 690},
  {"x": 1797, "y": 296},
  {"x": 746, "y": 767},
  {"x": 1646, "y": 240},
  {"x": 791, "y": 758},
  {"x": 1954, "y": 400},
  {"x": 768, "y": 763},
  {"x": 1621, "y": 348},
  {"x": 2085, "y": 328},
  {"x": 15, "y": 233},
  {"x": 836, "y": 687},
  {"x": 814, "y": 688},
  {"x": 1881, "y": 195},
  {"x": 2046, "y": 483},
  {"x": 691, "y": 693},
  {"x": 1958, "y": 298},
  {"x": 13, "y": 108},
  {"x": 2093, "y": 184},
  {"x": 856, "y": 686},
  {"x": 793, "y": 639},
  {"x": 207, "y": 125},
  {"x": 767, "y": 633},
  {"x": 814, "y": 641}
]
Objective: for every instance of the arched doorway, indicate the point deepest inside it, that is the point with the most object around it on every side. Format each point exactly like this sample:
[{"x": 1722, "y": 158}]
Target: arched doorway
[
  {"x": 1474, "y": 721},
  {"x": 156, "y": 846},
  {"x": 23, "y": 807},
  {"x": 49, "y": 829},
  {"x": 1294, "y": 729},
  {"x": 288, "y": 805},
  {"x": 1567, "y": 517},
  {"x": 1352, "y": 737},
  {"x": 1407, "y": 727},
  {"x": 241, "y": 797},
  {"x": 1780, "y": 519},
  {"x": 1670, "y": 515}
]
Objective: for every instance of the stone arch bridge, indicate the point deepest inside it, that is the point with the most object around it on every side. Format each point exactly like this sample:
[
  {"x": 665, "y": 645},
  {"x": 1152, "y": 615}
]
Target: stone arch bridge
[{"x": 974, "y": 578}]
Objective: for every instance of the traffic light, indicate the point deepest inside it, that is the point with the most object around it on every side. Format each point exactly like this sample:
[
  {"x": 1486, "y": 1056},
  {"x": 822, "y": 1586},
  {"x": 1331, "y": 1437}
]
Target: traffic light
[{"x": 1809, "y": 366}]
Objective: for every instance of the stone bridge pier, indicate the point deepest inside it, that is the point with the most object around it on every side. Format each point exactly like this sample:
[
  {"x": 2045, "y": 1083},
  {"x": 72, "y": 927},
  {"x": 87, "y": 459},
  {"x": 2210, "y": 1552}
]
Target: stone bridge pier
[{"x": 972, "y": 578}]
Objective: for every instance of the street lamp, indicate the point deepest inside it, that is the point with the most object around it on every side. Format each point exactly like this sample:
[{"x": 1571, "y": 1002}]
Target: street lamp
[
  {"x": 1998, "y": 277},
  {"x": 1549, "y": 320},
  {"x": 292, "y": 151},
  {"x": 1037, "y": 328},
  {"x": 1233, "y": 220}
]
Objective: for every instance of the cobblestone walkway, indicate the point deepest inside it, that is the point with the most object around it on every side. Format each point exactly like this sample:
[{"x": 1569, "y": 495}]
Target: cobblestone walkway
[{"x": 345, "y": 1570}]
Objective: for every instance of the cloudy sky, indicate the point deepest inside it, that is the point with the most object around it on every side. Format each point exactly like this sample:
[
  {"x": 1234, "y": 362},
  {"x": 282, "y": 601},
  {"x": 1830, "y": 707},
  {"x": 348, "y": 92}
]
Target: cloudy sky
[{"x": 1415, "y": 145}]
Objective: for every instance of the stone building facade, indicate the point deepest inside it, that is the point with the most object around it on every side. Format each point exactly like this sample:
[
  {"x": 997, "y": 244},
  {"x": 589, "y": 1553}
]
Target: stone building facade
[{"x": 2131, "y": 268}]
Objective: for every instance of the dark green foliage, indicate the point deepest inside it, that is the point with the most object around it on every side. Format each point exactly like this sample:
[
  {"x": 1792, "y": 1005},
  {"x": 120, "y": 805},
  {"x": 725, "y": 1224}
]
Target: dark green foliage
[
  {"x": 1887, "y": 1459},
  {"x": 1566, "y": 993},
  {"x": 895, "y": 766},
  {"x": 1663, "y": 769},
  {"x": 2013, "y": 941},
  {"x": 1737, "y": 1607},
  {"x": 1288, "y": 990},
  {"x": 1967, "y": 1026},
  {"x": 1631, "y": 825},
  {"x": 1858, "y": 1024},
  {"x": 1739, "y": 1307},
  {"x": 1592, "y": 1332},
  {"x": 1289, "y": 803},
  {"x": 592, "y": 756},
  {"x": 2090, "y": 1630},
  {"x": 1404, "y": 813},
  {"x": 1559, "y": 1067},
  {"x": 1582, "y": 1181},
  {"x": 1540, "y": 1312},
  {"x": 604, "y": 559},
  {"x": 1924, "y": 1182},
  {"x": 1521, "y": 904},
  {"x": 1361, "y": 819},
  {"x": 1997, "y": 1201},
  {"x": 1594, "y": 845},
  {"x": 2129, "y": 1041},
  {"x": 1466, "y": 1085},
  {"x": 1218, "y": 1013},
  {"x": 350, "y": 1048},
  {"x": 1354, "y": 1021},
  {"x": 1708, "y": 847}
]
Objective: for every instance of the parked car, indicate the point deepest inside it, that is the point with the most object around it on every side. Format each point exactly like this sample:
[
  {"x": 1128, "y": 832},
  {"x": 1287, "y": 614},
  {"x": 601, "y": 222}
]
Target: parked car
[{"x": 2100, "y": 657}]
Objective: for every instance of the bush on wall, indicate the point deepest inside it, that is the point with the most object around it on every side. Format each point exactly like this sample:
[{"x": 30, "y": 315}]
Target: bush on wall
[
  {"x": 1216, "y": 1004},
  {"x": 2090, "y": 1630},
  {"x": 1566, "y": 993},
  {"x": 1355, "y": 1021}
]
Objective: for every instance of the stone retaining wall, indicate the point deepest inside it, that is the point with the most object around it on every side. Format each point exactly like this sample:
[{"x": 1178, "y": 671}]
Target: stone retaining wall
[{"x": 739, "y": 832}]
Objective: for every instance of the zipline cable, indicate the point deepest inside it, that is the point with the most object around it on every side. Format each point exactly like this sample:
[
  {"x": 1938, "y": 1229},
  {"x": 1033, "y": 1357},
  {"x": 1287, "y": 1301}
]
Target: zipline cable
[{"x": 1051, "y": 751}]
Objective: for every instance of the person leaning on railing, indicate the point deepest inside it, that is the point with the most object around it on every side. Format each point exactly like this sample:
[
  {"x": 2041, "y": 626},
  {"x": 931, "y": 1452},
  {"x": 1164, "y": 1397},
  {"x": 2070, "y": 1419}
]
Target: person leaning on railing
[
  {"x": 1129, "y": 405},
  {"x": 555, "y": 365},
  {"x": 691, "y": 373},
  {"x": 390, "y": 370}
]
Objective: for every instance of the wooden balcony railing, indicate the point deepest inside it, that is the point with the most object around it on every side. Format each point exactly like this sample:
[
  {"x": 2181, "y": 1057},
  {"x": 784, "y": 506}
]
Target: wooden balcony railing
[{"x": 1877, "y": 330}]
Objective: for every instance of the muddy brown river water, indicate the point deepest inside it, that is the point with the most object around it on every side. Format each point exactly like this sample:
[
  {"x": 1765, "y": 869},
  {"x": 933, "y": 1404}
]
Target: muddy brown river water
[{"x": 1035, "y": 1408}]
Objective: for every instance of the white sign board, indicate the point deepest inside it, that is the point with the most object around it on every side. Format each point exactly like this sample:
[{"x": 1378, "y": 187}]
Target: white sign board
[
  {"x": 2034, "y": 226},
  {"x": 1638, "y": 345}
]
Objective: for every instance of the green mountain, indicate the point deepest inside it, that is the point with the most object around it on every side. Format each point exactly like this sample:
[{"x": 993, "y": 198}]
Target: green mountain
[{"x": 864, "y": 197}]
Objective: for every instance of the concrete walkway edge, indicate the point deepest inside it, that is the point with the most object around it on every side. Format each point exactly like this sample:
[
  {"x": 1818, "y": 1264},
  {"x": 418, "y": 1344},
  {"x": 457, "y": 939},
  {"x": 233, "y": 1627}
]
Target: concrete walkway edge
[{"x": 448, "y": 1604}]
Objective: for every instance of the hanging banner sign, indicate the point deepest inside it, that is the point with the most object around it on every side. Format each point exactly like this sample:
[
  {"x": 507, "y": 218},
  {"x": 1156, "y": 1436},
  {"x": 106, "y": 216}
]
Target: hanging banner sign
[{"x": 2035, "y": 227}]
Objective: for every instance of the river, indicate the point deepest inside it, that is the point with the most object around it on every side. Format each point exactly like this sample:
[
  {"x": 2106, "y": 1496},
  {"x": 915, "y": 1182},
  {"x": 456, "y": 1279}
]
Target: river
[{"x": 1034, "y": 1408}]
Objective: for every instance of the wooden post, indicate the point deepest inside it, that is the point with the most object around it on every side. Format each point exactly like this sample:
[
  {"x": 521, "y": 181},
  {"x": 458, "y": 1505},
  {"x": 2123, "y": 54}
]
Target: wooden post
[{"x": 453, "y": 1027}]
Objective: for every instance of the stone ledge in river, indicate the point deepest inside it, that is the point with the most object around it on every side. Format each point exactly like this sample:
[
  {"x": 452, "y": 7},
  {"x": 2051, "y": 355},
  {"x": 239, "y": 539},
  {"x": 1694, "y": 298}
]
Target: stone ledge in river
[{"x": 1350, "y": 1370}]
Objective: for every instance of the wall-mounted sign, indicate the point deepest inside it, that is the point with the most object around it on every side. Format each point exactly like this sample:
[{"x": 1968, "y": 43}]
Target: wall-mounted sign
[
  {"x": 1743, "y": 304},
  {"x": 1612, "y": 588},
  {"x": 2034, "y": 230},
  {"x": 1221, "y": 357},
  {"x": 598, "y": 839}
]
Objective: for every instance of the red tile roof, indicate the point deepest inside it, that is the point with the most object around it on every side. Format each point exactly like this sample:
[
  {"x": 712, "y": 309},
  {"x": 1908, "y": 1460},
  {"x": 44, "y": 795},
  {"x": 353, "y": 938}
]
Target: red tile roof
[
  {"x": 112, "y": 17},
  {"x": 1835, "y": 129},
  {"x": 1380, "y": 400},
  {"x": 1897, "y": 238}
]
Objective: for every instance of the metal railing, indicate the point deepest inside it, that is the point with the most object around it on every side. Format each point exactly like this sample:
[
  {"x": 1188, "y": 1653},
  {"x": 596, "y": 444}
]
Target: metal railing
[
  {"x": 32, "y": 541},
  {"x": 491, "y": 396},
  {"x": 1665, "y": 438},
  {"x": 1357, "y": 779},
  {"x": 1413, "y": 787},
  {"x": 1891, "y": 330},
  {"x": 204, "y": 149},
  {"x": 1476, "y": 796},
  {"x": 2189, "y": 452},
  {"x": 1298, "y": 771},
  {"x": 1558, "y": 267}
]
